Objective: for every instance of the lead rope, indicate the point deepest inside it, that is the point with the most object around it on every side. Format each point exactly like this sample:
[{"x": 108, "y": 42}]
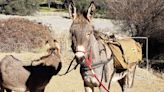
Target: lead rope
[
  {"x": 89, "y": 64},
  {"x": 68, "y": 69}
]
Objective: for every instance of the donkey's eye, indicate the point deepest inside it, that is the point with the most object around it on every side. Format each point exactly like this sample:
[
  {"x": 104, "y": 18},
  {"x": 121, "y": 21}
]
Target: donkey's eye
[{"x": 88, "y": 34}]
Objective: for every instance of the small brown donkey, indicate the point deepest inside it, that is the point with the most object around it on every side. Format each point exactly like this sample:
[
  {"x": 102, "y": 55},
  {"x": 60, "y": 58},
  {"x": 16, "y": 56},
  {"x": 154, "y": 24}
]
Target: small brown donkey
[
  {"x": 83, "y": 42},
  {"x": 34, "y": 76}
]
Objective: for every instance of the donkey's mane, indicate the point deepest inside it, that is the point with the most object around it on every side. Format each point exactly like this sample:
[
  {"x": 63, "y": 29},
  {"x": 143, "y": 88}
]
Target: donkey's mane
[
  {"x": 46, "y": 56},
  {"x": 99, "y": 35}
]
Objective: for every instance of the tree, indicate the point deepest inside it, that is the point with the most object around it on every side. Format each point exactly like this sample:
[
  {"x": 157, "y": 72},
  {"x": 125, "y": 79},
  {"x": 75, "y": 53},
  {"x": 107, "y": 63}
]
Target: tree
[
  {"x": 101, "y": 6},
  {"x": 143, "y": 14},
  {"x": 20, "y": 7}
]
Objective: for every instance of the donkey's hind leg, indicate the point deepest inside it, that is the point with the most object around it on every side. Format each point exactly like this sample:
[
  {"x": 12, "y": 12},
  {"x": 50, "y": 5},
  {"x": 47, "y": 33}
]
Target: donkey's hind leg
[
  {"x": 130, "y": 75},
  {"x": 2, "y": 89},
  {"x": 121, "y": 77},
  {"x": 123, "y": 84},
  {"x": 127, "y": 81},
  {"x": 8, "y": 90}
]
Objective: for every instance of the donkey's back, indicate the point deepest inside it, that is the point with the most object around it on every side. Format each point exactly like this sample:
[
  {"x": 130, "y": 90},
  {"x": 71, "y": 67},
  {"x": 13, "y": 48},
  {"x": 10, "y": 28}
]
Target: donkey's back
[{"x": 13, "y": 74}]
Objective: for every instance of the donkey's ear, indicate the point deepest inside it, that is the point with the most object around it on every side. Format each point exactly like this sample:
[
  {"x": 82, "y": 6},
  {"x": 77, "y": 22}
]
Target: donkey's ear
[
  {"x": 91, "y": 11},
  {"x": 72, "y": 10}
]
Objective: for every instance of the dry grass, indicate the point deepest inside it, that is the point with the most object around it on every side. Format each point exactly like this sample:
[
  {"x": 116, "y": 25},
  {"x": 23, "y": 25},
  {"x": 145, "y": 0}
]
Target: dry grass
[
  {"x": 64, "y": 38},
  {"x": 72, "y": 82},
  {"x": 18, "y": 34},
  {"x": 144, "y": 82}
]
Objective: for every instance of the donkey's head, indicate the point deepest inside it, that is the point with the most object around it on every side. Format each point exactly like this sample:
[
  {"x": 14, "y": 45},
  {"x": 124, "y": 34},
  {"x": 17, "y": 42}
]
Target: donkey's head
[
  {"x": 81, "y": 29},
  {"x": 54, "y": 54},
  {"x": 53, "y": 47}
]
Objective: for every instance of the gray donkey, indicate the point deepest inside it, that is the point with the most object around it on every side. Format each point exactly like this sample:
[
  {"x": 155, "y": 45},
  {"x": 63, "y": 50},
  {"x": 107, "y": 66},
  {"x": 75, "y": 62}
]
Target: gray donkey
[{"x": 87, "y": 47}]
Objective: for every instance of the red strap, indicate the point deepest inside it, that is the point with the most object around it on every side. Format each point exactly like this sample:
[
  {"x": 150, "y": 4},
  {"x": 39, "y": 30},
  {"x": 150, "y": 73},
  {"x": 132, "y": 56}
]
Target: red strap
[
  {"x": 89, "y": 60},
  {"x": 89, "y": 64},
  {"x": 101, "y": 84}
]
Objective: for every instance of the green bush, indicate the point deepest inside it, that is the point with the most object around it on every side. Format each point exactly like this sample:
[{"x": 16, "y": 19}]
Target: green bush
[
  {"x": 101, "y": 7},
  {"x": 1, "y": 1},
  {"x": 82, "y": 4},
  {"x": 21, "y": 7}
]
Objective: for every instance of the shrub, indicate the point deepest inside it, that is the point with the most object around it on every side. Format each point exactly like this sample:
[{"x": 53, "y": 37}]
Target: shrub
[
  {"x": 81, "y": 4},
  {"x": 21, "y": 7},
  {"x": 22, "y": 35}
]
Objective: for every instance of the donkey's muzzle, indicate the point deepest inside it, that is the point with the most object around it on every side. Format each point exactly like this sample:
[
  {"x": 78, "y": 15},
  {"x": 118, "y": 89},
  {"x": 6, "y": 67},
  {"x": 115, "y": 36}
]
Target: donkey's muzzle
[{"x": 80, "y": 52}]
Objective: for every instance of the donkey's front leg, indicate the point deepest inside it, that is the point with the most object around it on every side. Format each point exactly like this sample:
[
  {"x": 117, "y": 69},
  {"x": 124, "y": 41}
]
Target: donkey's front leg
[
  {"x": 89, "y": 89},
  {"x": 111, "y": 71}
]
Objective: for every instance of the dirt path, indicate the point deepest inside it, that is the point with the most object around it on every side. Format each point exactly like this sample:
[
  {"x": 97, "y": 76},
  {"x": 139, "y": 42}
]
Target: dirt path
[{"x": 60, "y": 21}]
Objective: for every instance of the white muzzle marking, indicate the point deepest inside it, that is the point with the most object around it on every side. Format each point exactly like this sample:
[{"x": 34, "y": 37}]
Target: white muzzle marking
[{"x": 80, "y": 51}]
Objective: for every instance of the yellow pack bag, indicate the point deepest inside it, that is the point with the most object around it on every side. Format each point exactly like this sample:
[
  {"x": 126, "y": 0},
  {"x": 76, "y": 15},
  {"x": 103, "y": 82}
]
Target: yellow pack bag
[{"x": 125, "y": 51}]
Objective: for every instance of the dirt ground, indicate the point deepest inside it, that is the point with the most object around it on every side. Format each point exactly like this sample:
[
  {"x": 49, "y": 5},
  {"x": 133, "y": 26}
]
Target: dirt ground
[{"x": 72, "y": 82}]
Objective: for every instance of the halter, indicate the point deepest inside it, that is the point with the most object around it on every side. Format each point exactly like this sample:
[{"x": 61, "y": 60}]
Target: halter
[{"x": 88, "y": 62}]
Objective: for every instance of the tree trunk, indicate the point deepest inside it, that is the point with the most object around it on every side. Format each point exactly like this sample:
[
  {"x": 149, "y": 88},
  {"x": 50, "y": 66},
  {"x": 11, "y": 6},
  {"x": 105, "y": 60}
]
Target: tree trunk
[{"x": 49, "y": 3}]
